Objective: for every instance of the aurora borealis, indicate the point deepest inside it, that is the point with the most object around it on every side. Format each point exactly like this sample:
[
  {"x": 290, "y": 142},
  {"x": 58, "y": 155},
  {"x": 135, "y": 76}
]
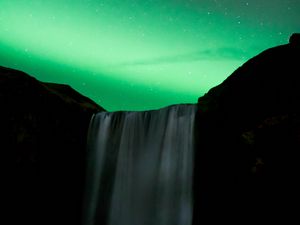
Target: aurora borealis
[{"x": 140, "y": 54}]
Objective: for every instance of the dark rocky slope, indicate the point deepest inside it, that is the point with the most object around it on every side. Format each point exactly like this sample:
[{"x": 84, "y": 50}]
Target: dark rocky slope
[
  {"x": 43, "y": 136},
  {"x": 247, "y": 164}
]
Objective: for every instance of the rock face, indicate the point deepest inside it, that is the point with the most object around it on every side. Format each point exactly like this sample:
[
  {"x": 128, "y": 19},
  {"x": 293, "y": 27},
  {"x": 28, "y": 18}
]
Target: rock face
[
  {"x": 295, "y": 40},
  {"x": 248, "y": 139},
  {"x": 43, "y": 131}
]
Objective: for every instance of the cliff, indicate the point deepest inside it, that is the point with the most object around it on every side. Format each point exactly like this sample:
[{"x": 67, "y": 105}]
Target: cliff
[
  {"x": 248, "y": 132},
  {"x": 43, "y": 136}
]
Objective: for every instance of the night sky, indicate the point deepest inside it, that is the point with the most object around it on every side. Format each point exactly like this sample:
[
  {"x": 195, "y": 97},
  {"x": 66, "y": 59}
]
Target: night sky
[{"x": 140, "y": 54}]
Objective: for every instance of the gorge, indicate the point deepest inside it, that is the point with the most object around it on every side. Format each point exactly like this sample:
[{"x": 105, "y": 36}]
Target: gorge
[{"x": 244, "y": 163}]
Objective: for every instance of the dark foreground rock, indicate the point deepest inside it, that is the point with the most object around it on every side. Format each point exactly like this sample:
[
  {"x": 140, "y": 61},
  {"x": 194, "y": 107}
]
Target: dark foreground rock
[
  {"x": 247, "y": 164},
  {"x": 43, "y": 137}
]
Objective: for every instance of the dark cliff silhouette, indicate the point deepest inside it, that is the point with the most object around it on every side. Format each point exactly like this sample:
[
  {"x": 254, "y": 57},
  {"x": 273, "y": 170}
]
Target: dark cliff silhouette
[
  {"x": 295, "y": 40},
  {"x": 43, "y": 137},
  {"x": 248, "y": 141}
]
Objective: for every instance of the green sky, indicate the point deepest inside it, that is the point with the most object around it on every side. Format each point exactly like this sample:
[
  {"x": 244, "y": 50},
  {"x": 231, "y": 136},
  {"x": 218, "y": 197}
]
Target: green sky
[{"x": 140, "y": 54}]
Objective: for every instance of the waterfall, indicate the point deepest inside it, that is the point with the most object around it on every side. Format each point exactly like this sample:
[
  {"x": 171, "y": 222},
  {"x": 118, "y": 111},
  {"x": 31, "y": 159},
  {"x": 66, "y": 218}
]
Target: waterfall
[{"x": 140, "y": 167}]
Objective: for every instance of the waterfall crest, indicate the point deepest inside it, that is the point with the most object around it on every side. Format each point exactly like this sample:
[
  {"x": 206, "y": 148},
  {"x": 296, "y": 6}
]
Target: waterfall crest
[{"x": 140, "y": 167}]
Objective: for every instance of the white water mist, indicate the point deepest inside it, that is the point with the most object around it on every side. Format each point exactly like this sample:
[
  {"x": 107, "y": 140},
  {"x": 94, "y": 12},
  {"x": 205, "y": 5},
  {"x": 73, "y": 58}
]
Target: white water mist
[{"x": 140, "y": 167}]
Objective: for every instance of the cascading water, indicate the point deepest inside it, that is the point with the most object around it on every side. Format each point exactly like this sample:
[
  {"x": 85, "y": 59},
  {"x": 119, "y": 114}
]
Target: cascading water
[{"x": 140, "y": 167}]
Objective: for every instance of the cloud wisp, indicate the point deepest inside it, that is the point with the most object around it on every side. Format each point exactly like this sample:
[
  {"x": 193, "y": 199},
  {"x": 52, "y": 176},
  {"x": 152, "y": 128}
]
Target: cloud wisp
[{"x": 227, "y": 53}]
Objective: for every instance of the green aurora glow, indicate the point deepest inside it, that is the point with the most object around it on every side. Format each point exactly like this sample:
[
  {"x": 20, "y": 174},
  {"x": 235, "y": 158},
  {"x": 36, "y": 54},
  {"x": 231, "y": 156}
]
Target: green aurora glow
[{"x": 140, "y": 54}]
